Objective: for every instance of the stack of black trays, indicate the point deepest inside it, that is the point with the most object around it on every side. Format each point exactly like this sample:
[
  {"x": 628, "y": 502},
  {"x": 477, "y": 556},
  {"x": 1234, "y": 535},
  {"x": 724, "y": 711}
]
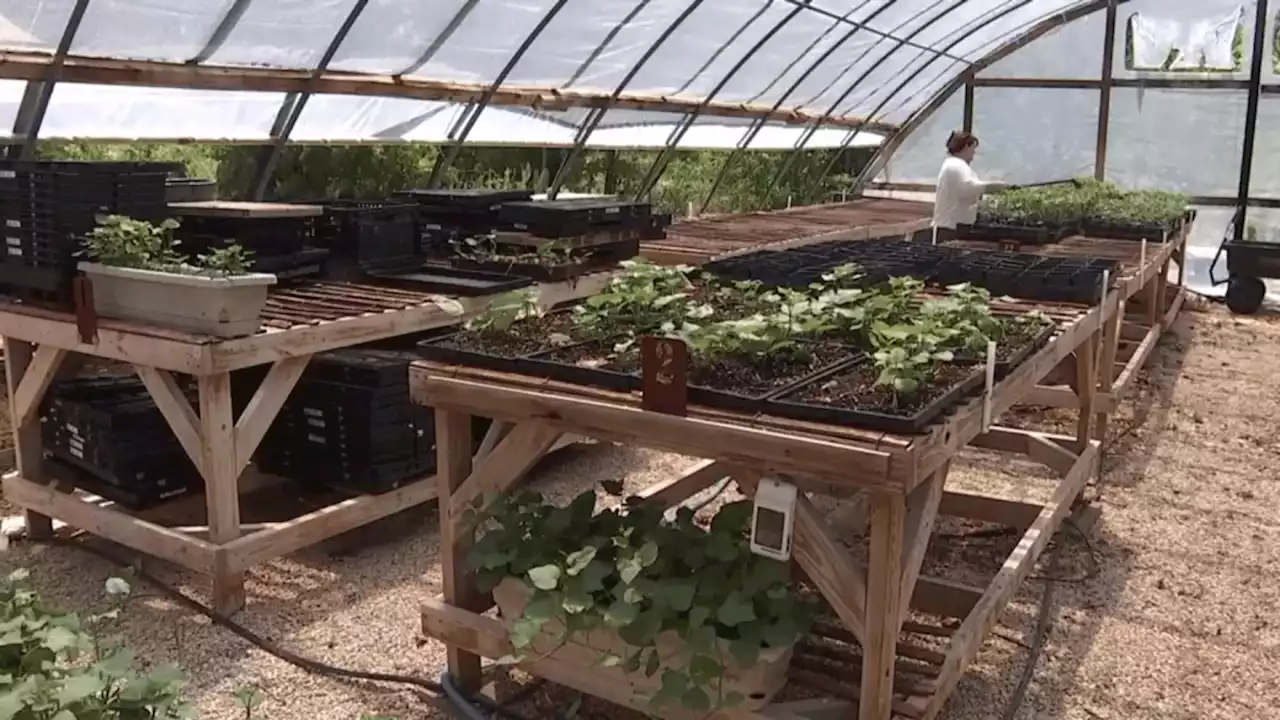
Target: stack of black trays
[
  {"x": 283, "y": 246},
  {"x": 47, "y": 207},
  {"x": 447, "y": 216},
  {"x": 583, "y": 216},
  {"x": 110, "y": 430},
  {"x": 370, "y": 234},
  {"x": 350, "y": 424}
]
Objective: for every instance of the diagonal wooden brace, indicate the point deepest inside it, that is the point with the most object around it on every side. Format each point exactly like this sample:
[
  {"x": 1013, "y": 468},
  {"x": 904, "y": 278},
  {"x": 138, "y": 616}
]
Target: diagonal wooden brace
[
  {"x": 176, "y": 410},
  {"x": 830, "y": 568},
  {"x": 265, "y": 406},
  {"x": 31, "y": 389},
  {"x": 502, "y": 468}
]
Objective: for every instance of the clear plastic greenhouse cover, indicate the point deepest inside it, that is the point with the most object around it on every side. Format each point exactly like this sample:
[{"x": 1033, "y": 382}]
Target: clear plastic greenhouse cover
[{"x": 878, "y": 60}]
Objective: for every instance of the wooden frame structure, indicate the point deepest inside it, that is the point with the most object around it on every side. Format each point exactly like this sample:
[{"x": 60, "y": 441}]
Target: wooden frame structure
[
  {"x": 901, "y": 480},
  {"x": 317, "y": 317}
]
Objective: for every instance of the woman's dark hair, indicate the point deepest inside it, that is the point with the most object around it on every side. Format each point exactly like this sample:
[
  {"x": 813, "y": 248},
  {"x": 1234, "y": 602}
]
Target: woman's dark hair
[{"x": 960, "y": 140}]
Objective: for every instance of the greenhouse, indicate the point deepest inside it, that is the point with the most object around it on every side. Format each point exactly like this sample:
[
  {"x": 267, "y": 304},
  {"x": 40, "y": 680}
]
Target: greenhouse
[{"x": 683, "y": 359}]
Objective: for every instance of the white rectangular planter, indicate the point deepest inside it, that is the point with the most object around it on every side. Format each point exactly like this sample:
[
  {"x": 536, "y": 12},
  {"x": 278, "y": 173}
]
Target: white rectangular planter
[{"x": 219, "y": 306}]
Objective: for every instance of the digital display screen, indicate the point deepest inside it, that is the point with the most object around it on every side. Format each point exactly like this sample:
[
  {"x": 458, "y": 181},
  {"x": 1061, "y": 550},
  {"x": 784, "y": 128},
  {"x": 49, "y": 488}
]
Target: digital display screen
[{"x": 770, "y": 527}]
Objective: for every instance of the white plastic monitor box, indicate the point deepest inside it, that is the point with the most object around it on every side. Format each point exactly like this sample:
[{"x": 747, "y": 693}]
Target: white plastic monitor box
[{"x": 773, "y": 519}]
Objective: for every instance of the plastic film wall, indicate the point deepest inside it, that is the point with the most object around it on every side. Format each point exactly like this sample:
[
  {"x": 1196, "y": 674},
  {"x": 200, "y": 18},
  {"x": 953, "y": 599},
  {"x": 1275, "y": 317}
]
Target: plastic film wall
[
  {"x": 1187, "y": 139},
  {"x": 877, "y": 59}
]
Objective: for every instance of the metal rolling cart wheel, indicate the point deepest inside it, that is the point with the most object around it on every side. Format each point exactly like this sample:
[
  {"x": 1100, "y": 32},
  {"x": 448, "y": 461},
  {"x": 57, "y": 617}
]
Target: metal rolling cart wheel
[{"x": 1248, "y": 262}]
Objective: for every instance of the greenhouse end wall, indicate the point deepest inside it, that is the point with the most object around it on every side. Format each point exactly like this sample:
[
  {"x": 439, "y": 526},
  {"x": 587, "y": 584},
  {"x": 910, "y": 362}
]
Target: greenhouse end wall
[{"x": 1187, "y": 139}]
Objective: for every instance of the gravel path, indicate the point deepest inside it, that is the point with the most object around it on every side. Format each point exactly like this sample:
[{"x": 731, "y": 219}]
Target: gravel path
[{"x": 1177, "y": 620}]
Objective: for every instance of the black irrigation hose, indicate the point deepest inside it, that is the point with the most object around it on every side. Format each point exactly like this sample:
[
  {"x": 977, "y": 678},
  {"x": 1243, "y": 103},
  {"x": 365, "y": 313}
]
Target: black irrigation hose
[
  {"x": 1037, "y": 646},
  {"x": 439, "y": 694}
]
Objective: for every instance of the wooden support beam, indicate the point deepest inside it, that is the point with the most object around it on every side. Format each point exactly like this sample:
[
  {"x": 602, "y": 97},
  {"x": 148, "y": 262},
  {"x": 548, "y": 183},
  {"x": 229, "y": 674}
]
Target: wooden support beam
[
  {"x": 265, "y": 406},
  {"x": 28, "y": 448},
  {"x": 682, "y": 487},
  {"x": 189, "y": 552},
  {"x": 494, "y": 435},
  {"x": 829, "y": 567},
  {"x": 922, "y": 514},
  {"x": 26, "y": 397},
  {"x": 453, "y": 467},
  {"x": 999, "y": 511},
  {"x": 884, "y": 601},
  {"x": 173, "y": 405},
  {"x": 153, "y": 73},
  {"x": 501, "y": 469},
  {"x": 221, "y": 473}
]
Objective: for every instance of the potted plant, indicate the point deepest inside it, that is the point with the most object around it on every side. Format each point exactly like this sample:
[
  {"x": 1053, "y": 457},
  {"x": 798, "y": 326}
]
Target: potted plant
[
  {"x": 138, "y": 274},
  {"x": 687, "y": 616}
]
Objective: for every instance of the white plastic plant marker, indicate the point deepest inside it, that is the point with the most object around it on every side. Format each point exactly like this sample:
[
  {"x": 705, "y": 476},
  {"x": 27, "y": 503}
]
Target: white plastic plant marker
[
  {"x": 935, "y": 235},
  {"x": 773, "y": 519},
  {"x": 1102, "y": 301},
  {"x": 991, "y": 383},
  {"x": 1142, "y": 255}
]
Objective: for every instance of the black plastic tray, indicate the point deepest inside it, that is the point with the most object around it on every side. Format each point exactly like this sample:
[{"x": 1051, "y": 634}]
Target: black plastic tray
[
  {"x": 539, "y": 365},
  {"x": 1008, "y": 364},
  {"x": 534, "y": 272},
  {"x": 450, "y": 281},
  {"x": 433, "y": 351},
  {"x": 1024, "y": 234},
  {"x": 465, "y": 198},
  {"x": 1125, "y": 231},
  {"x": 884, "y": 422},
  {"x": 725, "y": 400}
]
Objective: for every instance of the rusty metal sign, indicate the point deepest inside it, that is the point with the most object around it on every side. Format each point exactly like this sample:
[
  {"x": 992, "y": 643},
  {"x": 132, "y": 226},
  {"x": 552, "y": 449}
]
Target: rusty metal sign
[
  {"x": 664, "y": 375},
  {"x": 86, "y": 313}
]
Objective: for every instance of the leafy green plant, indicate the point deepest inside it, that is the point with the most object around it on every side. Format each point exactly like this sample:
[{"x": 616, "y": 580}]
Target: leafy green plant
[
  {"x": 645, "y": 578},
  {"x": 963, "y": 318},
  {"x": 56, "y": 666},
  {"x": 642, "y": 298},
  {"x": 907, "y": 356},
  {"x": 487, "y": 249},
  {"x": 505, "y": 311},
  {"x": 122, "y": 241}
]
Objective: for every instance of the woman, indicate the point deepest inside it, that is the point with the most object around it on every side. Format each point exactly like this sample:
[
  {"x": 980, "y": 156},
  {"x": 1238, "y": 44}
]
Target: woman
[{"x": 959, "y": 189}]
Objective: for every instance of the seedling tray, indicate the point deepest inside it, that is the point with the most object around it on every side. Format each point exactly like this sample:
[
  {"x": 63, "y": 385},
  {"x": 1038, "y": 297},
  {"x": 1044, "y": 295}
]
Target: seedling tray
[
  {"x": 1151, "y": 232},
  {"x": 543, "y": 366},
  {"x": 483, "y": 199},
  {"x": 782, "y": 405},
  {"x": 756, "y": 403},
  {"x": 1007, "y": 364},
  {"x": 134, "y": 498},
  {"x": 1024, "y": 234},
  {"x": 450, "y": 281},
  {"x": 532, "y": 271},
  {"x": 566, "y": 218}
]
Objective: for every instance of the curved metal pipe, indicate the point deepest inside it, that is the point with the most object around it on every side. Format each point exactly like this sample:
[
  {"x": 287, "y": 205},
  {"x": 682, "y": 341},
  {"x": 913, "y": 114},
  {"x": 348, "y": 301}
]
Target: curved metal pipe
[
  {"x": 1008, "y": 46},
  {"x": 813, "y": 127},
  {"x": 463, "y": 127}
]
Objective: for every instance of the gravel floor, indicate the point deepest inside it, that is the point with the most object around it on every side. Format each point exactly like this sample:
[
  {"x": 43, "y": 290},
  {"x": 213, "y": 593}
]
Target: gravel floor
[{"x": 1175, "y": 619}]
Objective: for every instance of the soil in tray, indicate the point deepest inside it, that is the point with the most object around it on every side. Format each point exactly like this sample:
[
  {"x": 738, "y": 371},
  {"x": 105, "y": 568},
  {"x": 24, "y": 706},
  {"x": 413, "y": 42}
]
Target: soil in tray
[
  {"x": 760, "y": 375},
  {"x": 522, "y": 338},
  {"x": 855, "y": 389},
  {"x": 596, "y": 355}
]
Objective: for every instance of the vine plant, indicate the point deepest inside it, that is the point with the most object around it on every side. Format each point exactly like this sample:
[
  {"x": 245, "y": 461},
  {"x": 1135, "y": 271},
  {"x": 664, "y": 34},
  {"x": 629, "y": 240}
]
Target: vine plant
[
  {"x": 122, "y": 241},
  {"x": 632, "y": 572}
]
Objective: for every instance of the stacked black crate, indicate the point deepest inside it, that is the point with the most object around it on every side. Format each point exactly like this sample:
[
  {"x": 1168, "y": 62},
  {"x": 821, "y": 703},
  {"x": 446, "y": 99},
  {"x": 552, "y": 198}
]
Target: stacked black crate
[
  {"x": 110, "y": 430},
  {"x": 351, "y": 424},
  {"x": 447, "y": 217},
  {"x": 46, "y": 208},
  {"x": 283, "y": 246},
  {"x": 605, "y": 229},
  {"x": 366, "y": 235}
]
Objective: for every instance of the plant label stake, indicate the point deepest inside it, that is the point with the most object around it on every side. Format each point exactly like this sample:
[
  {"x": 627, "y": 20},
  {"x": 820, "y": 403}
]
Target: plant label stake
[
  {"x": 86, "y": 313},
  {"x": 1102, "y": 301},
  {"x": 773, "y": 519},
  {"x": 991, "y": 381},
  {"x": 1142, "y": 256},
  {"x": 664, "y": 375},
  {"x": 935, "y": 235}
]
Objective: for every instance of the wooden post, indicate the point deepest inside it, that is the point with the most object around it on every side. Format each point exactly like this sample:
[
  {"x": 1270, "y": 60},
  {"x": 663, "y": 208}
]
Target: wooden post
[
  {"x": 1086, "y": 386},
  {"x": 28, "y": 448},
  {"x": 1106, "y": 371},
  {"x": 884, "y": 600},
  {"x": 453, "y": 467},
  {"x": 221, "y": 474}
]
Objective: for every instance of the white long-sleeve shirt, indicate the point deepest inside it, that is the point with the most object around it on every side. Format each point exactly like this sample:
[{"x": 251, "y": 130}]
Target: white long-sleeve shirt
[{"x": 957, "y": 194}]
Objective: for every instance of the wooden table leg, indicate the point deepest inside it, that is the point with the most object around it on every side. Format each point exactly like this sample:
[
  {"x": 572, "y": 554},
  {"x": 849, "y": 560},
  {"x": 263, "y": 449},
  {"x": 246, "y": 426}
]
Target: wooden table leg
[
  {"x": 221, "y": 473},
  {"x": 453, "y": 467},
  {"x": 1086, "y": 386},
  {"x": 28, "y": 447},
  {"x": 1107, "y": 371},
  {"x": 884, "y": 600}
]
